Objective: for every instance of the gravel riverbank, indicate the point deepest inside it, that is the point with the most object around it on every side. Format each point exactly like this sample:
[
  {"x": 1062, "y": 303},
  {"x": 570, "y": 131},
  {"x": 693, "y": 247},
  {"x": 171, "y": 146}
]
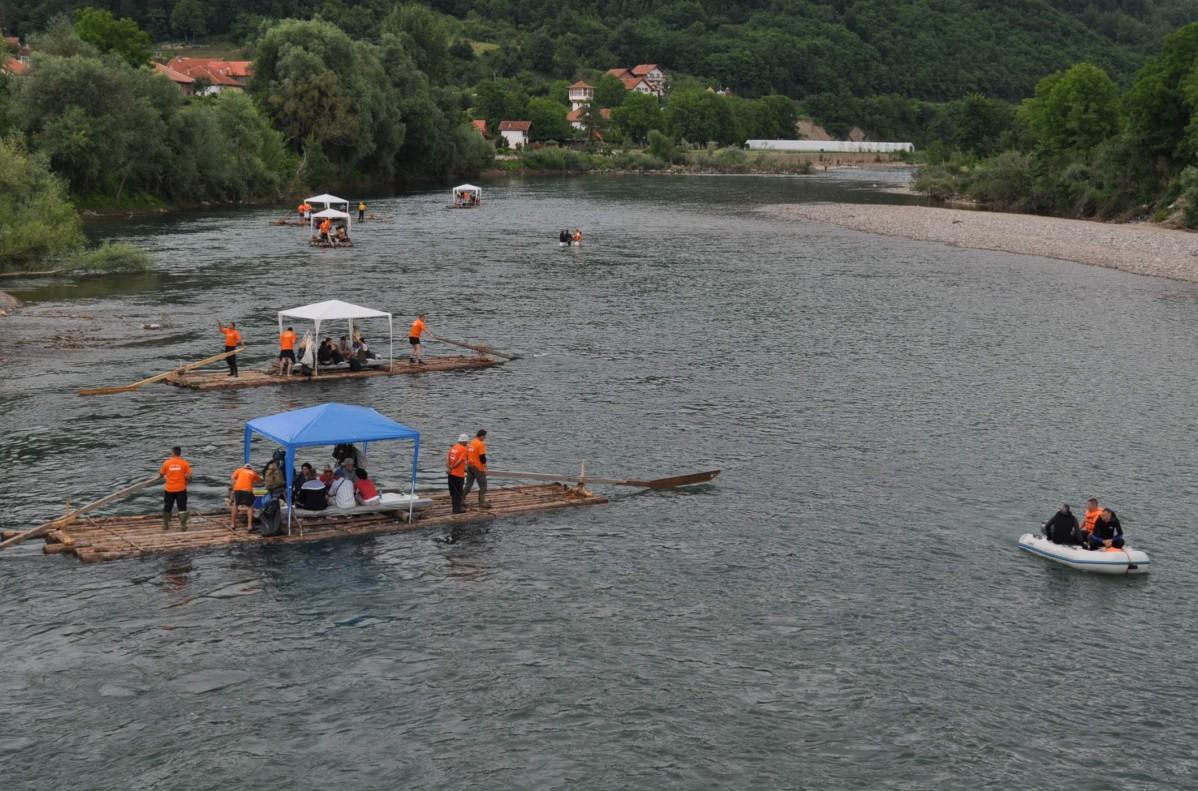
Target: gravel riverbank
[{"x": 1140, "y": 249}]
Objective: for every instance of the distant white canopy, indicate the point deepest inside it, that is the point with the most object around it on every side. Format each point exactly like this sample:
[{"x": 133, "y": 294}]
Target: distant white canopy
[
  {"x": 336, "y": 310},
  {"x": 326, "y": 199},
  {"x": 333, "y": 213},
  {"x": 466, "y": 188}
]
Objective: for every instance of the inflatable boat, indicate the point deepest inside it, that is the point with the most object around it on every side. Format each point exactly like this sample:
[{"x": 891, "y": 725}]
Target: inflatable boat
[{"x": 1127, "y": 560}]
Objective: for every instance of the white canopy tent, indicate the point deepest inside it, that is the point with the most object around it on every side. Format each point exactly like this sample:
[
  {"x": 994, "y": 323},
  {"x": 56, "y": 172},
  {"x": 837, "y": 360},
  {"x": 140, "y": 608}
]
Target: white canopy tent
[
  {"x": 336, "y": 310},
  {"x": 332, "y": 214},
  {"x": 460, "y": 192},
  {"x": 328, "y": 201}
]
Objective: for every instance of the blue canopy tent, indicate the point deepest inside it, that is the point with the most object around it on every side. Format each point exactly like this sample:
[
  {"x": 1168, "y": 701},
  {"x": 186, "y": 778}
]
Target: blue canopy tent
[{"x": 329, "y": 424}]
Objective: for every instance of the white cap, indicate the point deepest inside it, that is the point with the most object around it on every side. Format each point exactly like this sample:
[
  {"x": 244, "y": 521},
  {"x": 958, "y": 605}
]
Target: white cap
[{"x": 463, "y": 438}]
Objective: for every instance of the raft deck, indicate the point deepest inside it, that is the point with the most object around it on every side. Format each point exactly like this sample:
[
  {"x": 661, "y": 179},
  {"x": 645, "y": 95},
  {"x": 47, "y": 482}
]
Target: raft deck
[
  {"x": 220, "y": 379},
  {"x": 119, "y": 537}
]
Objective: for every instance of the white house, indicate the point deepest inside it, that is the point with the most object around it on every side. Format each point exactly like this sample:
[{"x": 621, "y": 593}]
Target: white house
[
  {"x": 515, "y": 133},
  {"x": 581, "y": 95}
]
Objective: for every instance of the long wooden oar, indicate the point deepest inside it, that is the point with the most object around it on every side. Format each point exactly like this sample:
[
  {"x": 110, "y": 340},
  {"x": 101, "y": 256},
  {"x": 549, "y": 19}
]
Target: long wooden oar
[
  {"x": 472, "y": 347},
  {"x": 659, "y": 483},
  {"x": 159, "y": 377},
  {"x": 66, "y": 519}
]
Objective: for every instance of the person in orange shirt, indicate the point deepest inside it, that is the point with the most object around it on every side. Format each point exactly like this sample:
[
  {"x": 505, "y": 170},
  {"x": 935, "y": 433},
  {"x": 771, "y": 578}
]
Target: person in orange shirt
[
  {"x": 418, "y": 329},
  {"x": 326, "y": 225},
  {"x": 577, "y": 236},
  {"x": 232, "y": 341},
  {"x": 455, "y": 471},
  {"x": 177, "y": 473},
  {"x": 286, "y": 351},
  {"x": 243, "y": 481},
  {"x": 476, "y": 468},
  {"x": 1092, "y": 514}
]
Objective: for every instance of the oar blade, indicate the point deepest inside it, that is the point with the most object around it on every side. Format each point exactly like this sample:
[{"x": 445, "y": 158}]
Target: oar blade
[
  {"x": 107, "y": 390},
  {"x": 682, "y": 480}
]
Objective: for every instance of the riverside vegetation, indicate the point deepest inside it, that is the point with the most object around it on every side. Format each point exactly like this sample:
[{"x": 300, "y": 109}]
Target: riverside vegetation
[{"x": 374, "y": 94}]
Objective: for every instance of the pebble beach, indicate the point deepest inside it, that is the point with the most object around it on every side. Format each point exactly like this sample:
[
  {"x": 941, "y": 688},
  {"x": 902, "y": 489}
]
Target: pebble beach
[{"x": 1137, "y": 248}]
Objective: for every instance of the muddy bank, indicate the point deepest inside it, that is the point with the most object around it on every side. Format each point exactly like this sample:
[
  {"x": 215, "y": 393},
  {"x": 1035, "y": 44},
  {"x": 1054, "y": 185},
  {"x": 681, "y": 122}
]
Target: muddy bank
[{"x": 1137, "y": 248}]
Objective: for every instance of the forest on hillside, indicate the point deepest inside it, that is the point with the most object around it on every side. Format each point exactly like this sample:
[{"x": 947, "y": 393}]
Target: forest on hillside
[{"x": 923, "y": 49}]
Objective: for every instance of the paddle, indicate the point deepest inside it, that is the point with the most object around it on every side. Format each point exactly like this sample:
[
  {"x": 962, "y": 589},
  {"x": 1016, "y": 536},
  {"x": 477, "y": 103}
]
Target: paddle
[
  {"x": 472, "y": 347},
  {"x": 159, "y": 377},
  {"x": 65, "y": 519},
  {"x": 658, "y": 483}
]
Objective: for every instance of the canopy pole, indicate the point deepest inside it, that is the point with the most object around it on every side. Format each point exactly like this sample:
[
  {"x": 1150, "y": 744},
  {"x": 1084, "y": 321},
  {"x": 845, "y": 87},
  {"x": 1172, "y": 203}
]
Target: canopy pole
[
  {"x": 316, "y": 358},
  {"x": 289, "y": 468},
  {"x": 412, "y": 485},
  {"x": 391, "y": 336}
]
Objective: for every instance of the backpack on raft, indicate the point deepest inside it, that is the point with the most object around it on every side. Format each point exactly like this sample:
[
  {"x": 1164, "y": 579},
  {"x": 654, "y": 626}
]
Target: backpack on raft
[{"x": 270, "y": 519}]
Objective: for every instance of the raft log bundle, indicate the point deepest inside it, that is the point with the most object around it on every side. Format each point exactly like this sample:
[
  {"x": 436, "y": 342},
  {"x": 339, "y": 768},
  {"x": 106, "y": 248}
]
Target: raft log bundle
[
  {"x": 220, "y": 379},
  {"x": 93, "y": 539}
]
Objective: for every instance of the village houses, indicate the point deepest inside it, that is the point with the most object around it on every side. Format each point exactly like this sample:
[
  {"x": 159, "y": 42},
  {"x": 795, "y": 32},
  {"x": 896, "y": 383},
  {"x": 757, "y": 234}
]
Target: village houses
[
  {"x": 212, "y": 74},
  {"x": 515, "y": 133}
]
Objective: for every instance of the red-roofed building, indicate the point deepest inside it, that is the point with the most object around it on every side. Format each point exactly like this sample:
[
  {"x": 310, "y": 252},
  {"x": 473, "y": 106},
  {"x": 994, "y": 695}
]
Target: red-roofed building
[
  {"x": 481, "y": 125},
  {"x": 14, "y": 66},
  {"x": 642, "y": 78},
  {"x": 217, "y": 75},
  {"x": 515, "y": 133},
  {"x": 575, "y": 116},
  {"x": 580, "y": 94},
  {"x": 186, "y": 84}
]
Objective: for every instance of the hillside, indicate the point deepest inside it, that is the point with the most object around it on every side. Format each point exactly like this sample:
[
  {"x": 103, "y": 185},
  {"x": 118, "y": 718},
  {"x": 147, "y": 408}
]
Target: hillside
[{"x": 925, "y": 49}]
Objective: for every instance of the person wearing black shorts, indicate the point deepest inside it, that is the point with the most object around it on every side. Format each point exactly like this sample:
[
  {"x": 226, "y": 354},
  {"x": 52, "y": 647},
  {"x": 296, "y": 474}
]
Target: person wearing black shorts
[
  {"x": 414, "y": 334},
  {"x": 176, "y": 473}
]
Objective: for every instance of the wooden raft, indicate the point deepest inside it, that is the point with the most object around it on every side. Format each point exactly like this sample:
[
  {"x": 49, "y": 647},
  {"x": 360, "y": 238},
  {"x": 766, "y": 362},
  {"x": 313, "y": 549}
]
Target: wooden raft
[
  {"x": 94, "y": 539},
  {"x": 220, "y": 379}
]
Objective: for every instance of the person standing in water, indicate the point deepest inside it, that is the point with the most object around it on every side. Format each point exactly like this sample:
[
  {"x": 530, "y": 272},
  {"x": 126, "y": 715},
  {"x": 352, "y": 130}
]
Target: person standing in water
[
  {"x": 361, "y": 210},
  {"x": 578, "y": 237},
  {"x": 414, "y": 337},
  {"x": 232, "y": 341}
]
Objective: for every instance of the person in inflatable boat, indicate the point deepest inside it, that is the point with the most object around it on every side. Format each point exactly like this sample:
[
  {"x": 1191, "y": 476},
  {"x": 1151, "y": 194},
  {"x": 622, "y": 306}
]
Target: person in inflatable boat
[
  {"x": 1107, "y": 531},
  {"x": 1062, "y": 527}
]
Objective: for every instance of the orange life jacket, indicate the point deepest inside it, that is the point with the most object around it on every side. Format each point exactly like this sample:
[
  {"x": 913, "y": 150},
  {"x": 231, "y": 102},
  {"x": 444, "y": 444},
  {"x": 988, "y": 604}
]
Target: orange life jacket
[
  {"x": 232, "y": 336},
  {"x": 1091, "y": 519},
  {"x": 474, "y": 453},
  {"x": 287, "y": 340},
  {"x": 456, "y": 460}
]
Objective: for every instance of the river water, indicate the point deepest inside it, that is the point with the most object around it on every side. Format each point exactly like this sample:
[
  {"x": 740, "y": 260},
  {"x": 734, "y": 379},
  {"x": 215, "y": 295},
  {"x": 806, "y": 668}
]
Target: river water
[{"x": 843, "y": 608}]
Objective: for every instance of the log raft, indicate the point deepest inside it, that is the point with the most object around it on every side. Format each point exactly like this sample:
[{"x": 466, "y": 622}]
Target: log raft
[
  {"x": 220, "y": 379},
  {"x": 96, "y": 539}
]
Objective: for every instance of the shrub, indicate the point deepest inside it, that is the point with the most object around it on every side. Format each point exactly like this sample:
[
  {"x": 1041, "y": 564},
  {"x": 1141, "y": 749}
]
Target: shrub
[{"x": 112, "y": 257}]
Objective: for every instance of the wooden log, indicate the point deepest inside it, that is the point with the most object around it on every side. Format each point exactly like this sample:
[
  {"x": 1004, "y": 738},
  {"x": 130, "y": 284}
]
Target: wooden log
[
  {"x": 473, "y": 347},
  {"x": 159, "y": 377},
  {"x": 67, "y": 518},
  {"x": 583, "y": 478}
]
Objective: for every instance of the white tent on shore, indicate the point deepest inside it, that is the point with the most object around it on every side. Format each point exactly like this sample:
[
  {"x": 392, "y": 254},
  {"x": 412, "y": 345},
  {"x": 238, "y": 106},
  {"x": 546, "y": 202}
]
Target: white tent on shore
[
  {"x": 336, "y": 310},
  {"x": 332, "y": 214}
]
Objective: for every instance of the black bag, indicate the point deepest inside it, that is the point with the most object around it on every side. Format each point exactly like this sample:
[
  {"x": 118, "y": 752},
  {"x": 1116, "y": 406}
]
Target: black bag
[
  {"x": 270, "y": 519},
  {"x": 354, "y": 365}
]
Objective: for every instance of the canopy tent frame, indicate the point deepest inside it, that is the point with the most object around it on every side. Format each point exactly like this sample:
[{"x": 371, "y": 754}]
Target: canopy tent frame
[
  {"x": 309, "y": 427},
  {"x": 463, "y": 189},
  {"x": 332, "y": 214},
  {"x": 328, "y": 201},
  {"x": 328, "y": 311}
]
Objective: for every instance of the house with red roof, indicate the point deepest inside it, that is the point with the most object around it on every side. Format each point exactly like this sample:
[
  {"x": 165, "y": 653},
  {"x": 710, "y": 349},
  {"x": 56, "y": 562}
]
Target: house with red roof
[
  {"x": 18, "y": 61},
  {"x": 515, "y": 133},
  {"x": 575, "y": 116},
  {"x": 213, "y": 74},
  {"x": 185, "y": 84},
  {"x": 481, "y": 125},
  {"x": 642, "y": 78}
]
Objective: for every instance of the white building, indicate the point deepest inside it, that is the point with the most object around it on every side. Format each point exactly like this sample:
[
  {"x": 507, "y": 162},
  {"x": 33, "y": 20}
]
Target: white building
[
  {"x": 581, "y": 95},
  {"x": 515, "y": 133},
  {"x": 829, "y": 146}
]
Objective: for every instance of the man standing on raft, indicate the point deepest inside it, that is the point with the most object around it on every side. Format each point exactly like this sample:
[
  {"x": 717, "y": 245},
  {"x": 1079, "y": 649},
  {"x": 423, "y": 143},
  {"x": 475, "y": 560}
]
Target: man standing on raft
[
  {"x": 476, "y": 468},
  {"x": 455, "y": 471},
  {"x": 414, "y": 334},
  {"x": 286, "y": 352},
  {"x": 243, "y": 480},
  {"x": 177, "y": 474},
  {"x": 232, "y": 341}
]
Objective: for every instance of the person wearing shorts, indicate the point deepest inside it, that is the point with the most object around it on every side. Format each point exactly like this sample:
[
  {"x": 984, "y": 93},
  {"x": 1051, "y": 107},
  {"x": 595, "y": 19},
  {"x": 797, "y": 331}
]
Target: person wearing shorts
[
  {"x": 414, "y": 334},
  {"x": 243, "y": 481},
  {"x": 286, "y": 352},
  {"x": 176, "y": 473}
]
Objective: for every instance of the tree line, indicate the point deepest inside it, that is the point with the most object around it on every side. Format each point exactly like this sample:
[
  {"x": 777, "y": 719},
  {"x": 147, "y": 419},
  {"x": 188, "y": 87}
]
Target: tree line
[{"x": 1081, "y": 147}]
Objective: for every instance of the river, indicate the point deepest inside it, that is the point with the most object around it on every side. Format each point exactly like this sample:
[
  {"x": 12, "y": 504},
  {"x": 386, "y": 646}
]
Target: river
[{"x": 843, "y": 608}]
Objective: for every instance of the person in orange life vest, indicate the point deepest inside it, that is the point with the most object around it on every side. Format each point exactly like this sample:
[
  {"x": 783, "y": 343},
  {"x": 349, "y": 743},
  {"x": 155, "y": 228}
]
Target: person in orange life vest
[
  {"x": 176, "y": 473},
  {"x": 243, "y": 481},
  {"x": 577, "y": 236},
  {"x": 232, "y": 341},
  {"x": 476, "y": 468},
  {"x": 455, "y": 470},
  {"x": 305, "y": 209},
  {"x": 1092, "y": 514},
  {"x": 325, "y": 225},
  {"x": 287, "y": 351},
  {"x": 418, "y": 329}
]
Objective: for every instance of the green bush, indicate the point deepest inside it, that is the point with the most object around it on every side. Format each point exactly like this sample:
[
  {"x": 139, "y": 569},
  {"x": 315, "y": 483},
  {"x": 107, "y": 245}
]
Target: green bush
[
  {"x": 39, "y": 220},
  {"x": 1189, "y": 193},
  {"x": 112, "y": 257}
]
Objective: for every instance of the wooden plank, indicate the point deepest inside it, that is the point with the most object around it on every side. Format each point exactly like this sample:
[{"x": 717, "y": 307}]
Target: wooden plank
[
  {"x": 67, "y": 518},
  {"x": 159, "y": 377},
  {"x": 253, "y": 378},
  {"x": 659, "y": 483},
  {"x": 476, "y": 348}
]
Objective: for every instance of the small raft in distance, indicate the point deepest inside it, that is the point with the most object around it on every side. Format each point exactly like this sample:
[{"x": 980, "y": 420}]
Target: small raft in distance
[{"x": 1127, "y": 560}]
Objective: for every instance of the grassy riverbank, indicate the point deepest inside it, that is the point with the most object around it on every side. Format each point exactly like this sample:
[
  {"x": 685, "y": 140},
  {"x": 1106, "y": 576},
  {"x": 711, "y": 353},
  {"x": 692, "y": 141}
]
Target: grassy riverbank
[{"x": 669, "y": 159}]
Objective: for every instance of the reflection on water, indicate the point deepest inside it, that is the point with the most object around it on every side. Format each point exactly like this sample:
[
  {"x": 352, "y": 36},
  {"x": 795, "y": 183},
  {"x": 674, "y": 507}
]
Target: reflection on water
[{"x": 889, "y": 416}]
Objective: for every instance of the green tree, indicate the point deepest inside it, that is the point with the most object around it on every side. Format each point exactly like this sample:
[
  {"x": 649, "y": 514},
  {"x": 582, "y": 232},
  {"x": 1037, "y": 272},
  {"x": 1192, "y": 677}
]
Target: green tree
[
  {"x": 548, "y": 120},
  {"x": 594, "y": 123},
  {"x": 425, "y": 36},
  {"x": 40, "y": 221},
  {"x": 499, "y": 100},
  {"x": 1073, "y": 110},
  {"x": 609, "y": 92},
  {"x": 108, "y": 34},
  {"x": 1162, "y": 102},
  {"x": 638, "y": 116},
  {"x": 700, "y": 116},
  {"x": 189, "y": 18}
]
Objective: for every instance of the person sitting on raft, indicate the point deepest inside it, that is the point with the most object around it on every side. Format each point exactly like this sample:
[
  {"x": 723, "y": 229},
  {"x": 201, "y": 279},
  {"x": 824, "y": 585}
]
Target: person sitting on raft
[
  {"x": 328, "y": 353},
  {"x": 342, "y": 236},
  {"x": 341, "y": 493},
  {"x": 1062, "y": 527},
  {"x": 365, "y": 492},
  {"x": 1108, "y": 532}
]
